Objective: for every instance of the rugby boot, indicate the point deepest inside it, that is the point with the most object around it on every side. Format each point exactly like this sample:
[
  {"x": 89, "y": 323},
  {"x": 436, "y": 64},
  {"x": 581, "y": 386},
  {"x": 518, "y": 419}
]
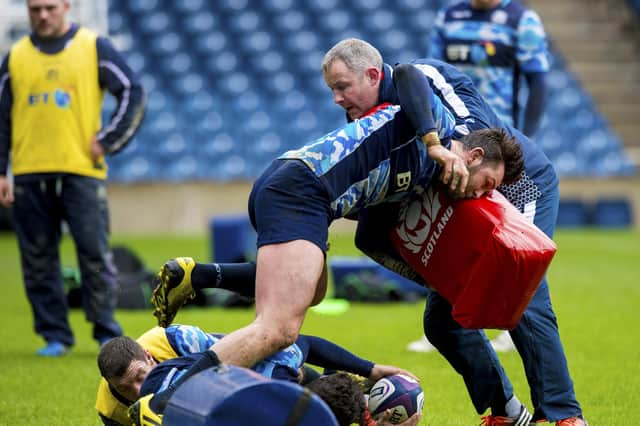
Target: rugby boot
[
  {"x": 522, "y": 419},
  {"x": 172, "y": 289},
  {"x": 571, "y": 421},
  {"x": 141, "y": 414}
]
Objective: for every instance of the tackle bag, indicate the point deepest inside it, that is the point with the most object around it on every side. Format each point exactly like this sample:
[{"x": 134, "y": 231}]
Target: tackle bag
[
  {"x": 233, "y": 396},
  {"x": 482, "y": 255}
]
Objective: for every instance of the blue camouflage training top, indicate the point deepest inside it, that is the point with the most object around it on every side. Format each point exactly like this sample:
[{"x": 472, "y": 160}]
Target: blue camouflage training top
[
  {"x": 371, "y": 160},
  {"x": 188, "y": 339},
  {"x": 494, "y": 47}
]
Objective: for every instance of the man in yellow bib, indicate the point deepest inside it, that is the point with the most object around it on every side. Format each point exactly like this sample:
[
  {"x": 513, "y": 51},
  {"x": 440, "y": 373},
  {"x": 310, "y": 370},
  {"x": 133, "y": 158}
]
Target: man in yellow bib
[{"x": 51, "y": 87}]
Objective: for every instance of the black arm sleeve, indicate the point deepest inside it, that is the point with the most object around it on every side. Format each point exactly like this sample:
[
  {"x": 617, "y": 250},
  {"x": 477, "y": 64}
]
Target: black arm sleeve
[
  {"x": 414, "y": 94},
  {"x": 119, "y": 80},
  {"x": 323, "y": 353},
  {"x": 6, "y": 99},
  {"x": 535, "y": 102}
]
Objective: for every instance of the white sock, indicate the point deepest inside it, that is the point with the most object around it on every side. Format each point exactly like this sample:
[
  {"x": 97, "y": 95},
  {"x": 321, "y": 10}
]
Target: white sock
[{"x": 512, "y": 407}]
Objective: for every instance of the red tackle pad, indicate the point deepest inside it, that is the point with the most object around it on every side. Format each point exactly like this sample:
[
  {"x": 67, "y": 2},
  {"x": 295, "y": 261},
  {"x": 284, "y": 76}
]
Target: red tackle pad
[{"x": 482, "y": 255}]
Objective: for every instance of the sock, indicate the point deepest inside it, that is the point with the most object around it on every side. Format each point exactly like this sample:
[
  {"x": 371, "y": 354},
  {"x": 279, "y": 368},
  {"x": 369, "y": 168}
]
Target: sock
[
  {"x": 513, "y": 407},
  {"x": 237, "y": 277},
  {"x": 159, "y": 401}
]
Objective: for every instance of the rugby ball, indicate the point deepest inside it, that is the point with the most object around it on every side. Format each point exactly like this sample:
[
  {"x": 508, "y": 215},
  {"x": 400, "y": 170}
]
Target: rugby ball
[{"x": 399, "y": 393}]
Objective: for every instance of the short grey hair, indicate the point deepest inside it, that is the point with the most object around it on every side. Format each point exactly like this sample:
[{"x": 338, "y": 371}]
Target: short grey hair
[{"x": 357, "y": 55}]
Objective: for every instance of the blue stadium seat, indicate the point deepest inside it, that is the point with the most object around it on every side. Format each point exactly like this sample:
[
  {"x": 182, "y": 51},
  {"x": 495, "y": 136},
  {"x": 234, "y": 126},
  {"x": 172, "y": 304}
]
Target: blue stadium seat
[
  {"x": 182, "y": 168},
  {"x": 222, "y": 64},
  {"x": 200, "y": 23},
  {"x": 279, "y": 83},
  {"x": 188, "y": 84},
  {"x": 218, "y": 144},
  {"x": 422, "y": 23},
  {"x": 176, "y": 65},
  {"x": 211, "y": 44},
  {"x": 310, "y": 64},
  {"x": 136, "y": 61},
  {"x": 255, "y": 43},
  {"x": 391, "y": 41},
  {"x": 234, "y": 167},
  {"x": 165, "y": 44},
  {"x": 365, "y": 5},
  {"x": 257, "y": 123},
  {"x": 302, "y": 42},
  {"x": 613, "y": 213},
  {"x": 289, "y": 22},
  {"x": 154, "y": 23},
  {"x": 246, "y": 22},
  {"x": 249, "y": 102},
  {"x": 156, "y": 99},
  {"x": 269, "y": 145},
  {"x": 189, "y": 6},
  {"x": 379, "y": 20},
  {"x": 336, "y": 21},
  {"x": 268, "y": 62},
  {"x": 142, "y": 7},
  {"x": 278, "y": 6},
  {"x": 118, "y": 22},
  {"x": 163, "y": 122},
  {"x": 349, "y": 33},
  {"x": 199, "y": 105},
  {"x": 133, "y": 169},
  {"x": 566, "y": 164},
  {"x": 173, "y": 146},
  {"x": 573, "y": 213},
  {"x": 322, "y": 6},
  {"x": 235, "y": 84},
  {"x": 412, "y": 6},
  {"x": 233, "y": 5}
]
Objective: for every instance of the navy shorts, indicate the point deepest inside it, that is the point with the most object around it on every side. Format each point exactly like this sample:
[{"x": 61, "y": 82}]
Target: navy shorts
[{"x": 289, "y": 202}]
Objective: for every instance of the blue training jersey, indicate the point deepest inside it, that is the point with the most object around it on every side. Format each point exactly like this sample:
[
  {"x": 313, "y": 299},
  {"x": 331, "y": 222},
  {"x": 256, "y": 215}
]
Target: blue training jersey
[
  {"x": 494, "y": 47},
  {"x": 370, "y": 160},
  {"x": 471, "y": 112},
  {"x": 283, "y": 365},
  {"x": 189, "y": 339}
]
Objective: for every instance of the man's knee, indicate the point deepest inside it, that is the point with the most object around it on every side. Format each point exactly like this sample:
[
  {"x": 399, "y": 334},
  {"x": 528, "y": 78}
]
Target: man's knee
[
  {"x": 433, "y": 332},
  {"x": 436, "y": 330},
  {"x": 282, "y": 336}
]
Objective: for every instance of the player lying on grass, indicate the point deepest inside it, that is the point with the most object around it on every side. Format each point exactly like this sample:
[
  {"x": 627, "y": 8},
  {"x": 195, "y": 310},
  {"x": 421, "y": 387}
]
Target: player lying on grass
[
  {"x": 342, "y": 392},
  {"x": 125, "y": 363}
]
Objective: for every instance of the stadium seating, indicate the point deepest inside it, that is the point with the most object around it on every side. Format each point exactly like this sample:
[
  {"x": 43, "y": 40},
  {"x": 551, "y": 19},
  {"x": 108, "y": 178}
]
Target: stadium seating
[
  {"x": 610, "y": 212},
  {"x": 573, "y": 213},
  {"x": 613, "y": 213},
  {"x": 234, "y": 83}
]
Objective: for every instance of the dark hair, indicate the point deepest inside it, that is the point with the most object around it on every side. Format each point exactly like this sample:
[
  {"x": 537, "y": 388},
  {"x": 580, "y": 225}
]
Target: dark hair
[
  {"x": 343, "y": 395},
  {"x": 499, "y": 146},
  {"x": 116, "y": 355}
]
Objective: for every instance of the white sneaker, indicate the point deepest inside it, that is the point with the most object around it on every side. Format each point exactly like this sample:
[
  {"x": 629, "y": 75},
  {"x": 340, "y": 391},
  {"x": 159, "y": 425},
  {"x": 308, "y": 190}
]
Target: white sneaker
[
  {"x": 421, "y": 345},
  {"x": 503, "y": 343}
]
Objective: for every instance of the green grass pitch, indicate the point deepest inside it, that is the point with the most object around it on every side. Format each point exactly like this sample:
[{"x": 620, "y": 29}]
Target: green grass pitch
[{"x": 595, "y": 287}]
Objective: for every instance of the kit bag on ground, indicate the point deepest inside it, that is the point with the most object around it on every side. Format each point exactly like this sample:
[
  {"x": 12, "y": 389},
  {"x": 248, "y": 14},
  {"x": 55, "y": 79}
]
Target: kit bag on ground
[{"x": 135, "y": 281}]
